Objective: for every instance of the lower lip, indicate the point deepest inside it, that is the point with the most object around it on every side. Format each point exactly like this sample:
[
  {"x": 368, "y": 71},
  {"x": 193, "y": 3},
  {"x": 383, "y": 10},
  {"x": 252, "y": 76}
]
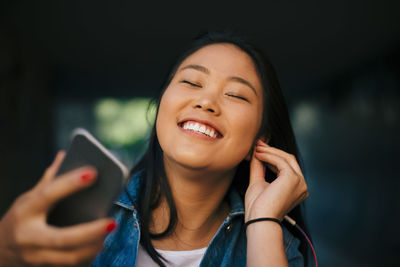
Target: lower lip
[{"x": 198, "y": 135}]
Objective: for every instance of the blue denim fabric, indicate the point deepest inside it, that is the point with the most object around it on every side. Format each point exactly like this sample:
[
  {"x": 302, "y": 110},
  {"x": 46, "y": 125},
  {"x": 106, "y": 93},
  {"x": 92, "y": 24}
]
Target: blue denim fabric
[{"x": 227, "y": 248}]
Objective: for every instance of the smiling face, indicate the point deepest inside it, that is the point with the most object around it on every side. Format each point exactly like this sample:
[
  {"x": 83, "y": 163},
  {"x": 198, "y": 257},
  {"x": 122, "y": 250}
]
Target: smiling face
[{"x": 211, "y": 111}]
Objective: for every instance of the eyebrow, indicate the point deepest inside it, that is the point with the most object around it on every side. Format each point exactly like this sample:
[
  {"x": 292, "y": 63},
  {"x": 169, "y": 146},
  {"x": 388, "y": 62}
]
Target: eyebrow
[
  {"x": 196, "y": 67},
  {"x": 243, "y": 81},
  {"x": 232, "y": 78}
]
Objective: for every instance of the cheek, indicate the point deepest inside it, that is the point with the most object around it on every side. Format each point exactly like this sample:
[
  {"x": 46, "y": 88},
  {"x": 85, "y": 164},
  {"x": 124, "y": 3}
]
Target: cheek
[
  {"x": 248, "y": 120},
  {"x": 170, "y": 104},
  {"x": 246, "y": 126},
  {"x": 163, "y": 116}
]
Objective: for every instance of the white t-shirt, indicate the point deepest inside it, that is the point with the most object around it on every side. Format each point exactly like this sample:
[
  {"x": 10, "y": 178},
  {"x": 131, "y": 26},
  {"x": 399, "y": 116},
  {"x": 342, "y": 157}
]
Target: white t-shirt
[{"x": 187, "y": 258}]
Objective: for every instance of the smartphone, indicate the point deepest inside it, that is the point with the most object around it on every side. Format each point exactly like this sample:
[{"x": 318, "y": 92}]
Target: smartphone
[{"x": 93, "y": 202}]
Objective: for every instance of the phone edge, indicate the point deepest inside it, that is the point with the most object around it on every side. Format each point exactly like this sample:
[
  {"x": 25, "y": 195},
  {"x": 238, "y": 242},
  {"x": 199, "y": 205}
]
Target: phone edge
[{"x": 87, "y": 134}]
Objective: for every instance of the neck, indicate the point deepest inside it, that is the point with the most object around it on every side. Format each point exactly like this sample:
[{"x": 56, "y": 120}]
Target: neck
[{"x": 199, "y": 200}]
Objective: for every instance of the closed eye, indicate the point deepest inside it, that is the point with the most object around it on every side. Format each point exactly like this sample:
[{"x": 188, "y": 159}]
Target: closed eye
[
  {"x": 190, "y": 83},
  {"x": 239, "y": 97}
]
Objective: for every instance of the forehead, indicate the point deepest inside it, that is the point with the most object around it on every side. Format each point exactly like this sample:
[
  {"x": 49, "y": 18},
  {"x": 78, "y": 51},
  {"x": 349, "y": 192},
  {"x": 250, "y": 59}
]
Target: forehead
[{"x": 225, "y": 59}]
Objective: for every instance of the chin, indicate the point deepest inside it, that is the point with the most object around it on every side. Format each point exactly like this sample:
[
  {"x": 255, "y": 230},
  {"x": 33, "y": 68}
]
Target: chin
[{"x": 190, "y": 160}]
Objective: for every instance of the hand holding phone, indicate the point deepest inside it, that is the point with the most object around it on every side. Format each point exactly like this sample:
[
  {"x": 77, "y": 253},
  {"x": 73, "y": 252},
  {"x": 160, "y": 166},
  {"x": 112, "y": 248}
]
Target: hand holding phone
[
  {"x": 95, "y": 201},
  {"x": 27, "y": 239}
]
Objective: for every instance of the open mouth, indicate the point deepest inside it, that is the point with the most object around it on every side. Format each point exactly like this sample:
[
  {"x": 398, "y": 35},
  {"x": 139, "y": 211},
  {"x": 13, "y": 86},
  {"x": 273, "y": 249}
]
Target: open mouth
[{"x": 200, "y": 128}]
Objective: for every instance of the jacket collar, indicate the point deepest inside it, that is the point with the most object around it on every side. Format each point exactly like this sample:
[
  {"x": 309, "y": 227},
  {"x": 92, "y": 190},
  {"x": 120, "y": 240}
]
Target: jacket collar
[
  {"x": 236, "y": 202},
  {"x": 132, "y": 186}
]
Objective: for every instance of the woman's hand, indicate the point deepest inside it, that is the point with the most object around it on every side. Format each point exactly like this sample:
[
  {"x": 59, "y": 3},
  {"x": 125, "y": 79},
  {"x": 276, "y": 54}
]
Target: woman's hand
[
  {"x": 27, "y": 239},
  {"x": 274, "y": 199}
]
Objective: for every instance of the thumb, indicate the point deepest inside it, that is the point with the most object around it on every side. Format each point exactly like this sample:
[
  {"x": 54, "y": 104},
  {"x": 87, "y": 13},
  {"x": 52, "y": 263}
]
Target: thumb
[{"x": 256, "y": 169}]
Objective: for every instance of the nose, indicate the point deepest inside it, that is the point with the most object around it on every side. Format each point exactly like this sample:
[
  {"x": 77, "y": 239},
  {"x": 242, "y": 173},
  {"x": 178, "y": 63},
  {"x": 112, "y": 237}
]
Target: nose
[{"x": 207, "y": 103}]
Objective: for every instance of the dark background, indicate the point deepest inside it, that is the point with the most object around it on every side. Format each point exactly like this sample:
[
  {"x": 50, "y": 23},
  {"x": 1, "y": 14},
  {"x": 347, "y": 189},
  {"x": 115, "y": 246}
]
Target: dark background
[{"x": 339, "y": 66}]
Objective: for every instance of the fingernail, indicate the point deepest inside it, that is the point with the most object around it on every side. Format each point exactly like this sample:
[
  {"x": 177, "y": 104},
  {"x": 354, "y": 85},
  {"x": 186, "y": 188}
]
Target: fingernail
[
  {"x": 111, "y": 226},
  {"x": 263, "y": 142},
  {"x": 87, "y": 177}
]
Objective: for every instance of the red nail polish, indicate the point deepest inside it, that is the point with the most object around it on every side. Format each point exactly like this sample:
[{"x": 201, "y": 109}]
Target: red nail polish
[
  {"x": 111, "y": 226},
  {"x": 262, "y": 142},
  {"x": 86, "y": 177}
]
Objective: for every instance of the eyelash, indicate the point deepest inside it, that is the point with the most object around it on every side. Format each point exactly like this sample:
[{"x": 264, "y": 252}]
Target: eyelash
[
  {"x": 239, "y": 97},
  {"x": 231, "y": 95},
  {"x": 192, "y": 84}
]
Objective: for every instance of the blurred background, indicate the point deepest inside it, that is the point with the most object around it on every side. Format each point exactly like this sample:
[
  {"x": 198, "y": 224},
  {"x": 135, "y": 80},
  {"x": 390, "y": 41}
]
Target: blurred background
[{"x": 96, "y": 64}]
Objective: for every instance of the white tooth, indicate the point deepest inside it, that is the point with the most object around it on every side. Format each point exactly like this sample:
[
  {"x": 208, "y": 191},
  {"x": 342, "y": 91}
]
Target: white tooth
[
  {"x": 207, "y": 132},
  {"x": 212, "y": 133},
  {"x": 215, "y": 135},
  {"x": 202, "y": 129},
  {"x": 185, "y": 126},
  {"x": 191, "y": 126},
  {"x": 196, "y": 127}
]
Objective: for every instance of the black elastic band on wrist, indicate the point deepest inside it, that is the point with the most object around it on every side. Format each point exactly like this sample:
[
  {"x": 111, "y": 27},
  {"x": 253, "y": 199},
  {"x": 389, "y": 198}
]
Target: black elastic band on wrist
[{"x": 262, "y": 219}]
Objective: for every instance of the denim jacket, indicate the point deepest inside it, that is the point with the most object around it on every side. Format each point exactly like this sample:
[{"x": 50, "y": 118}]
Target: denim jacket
[{"x": 227, "y": 248}]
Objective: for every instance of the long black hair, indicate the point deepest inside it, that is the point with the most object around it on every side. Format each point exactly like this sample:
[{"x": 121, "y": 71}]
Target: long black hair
[{"x": 275, "y": 127}]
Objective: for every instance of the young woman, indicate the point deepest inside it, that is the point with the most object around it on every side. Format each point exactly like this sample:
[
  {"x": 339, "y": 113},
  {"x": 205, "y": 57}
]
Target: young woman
[{"x": 221, "y": 127}]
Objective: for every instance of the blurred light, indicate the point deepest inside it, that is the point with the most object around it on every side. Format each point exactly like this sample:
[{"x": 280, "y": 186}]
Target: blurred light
[
  {"x": 305, "y": 118},
  {"x": 123, "y": 122}
]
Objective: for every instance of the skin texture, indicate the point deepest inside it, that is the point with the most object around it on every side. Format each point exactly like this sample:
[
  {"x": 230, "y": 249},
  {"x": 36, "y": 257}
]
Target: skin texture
[{"x": 217, "y": 84}]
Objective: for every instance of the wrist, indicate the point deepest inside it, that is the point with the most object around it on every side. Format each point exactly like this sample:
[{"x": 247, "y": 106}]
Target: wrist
[
  {"x": 265, "y": 230},
  {"x": 262, "y": 214},
  {"x": 263, "y": 220}
]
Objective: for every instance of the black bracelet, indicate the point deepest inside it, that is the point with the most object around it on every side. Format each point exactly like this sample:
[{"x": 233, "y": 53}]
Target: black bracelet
[{"x": 262, "y": 219}]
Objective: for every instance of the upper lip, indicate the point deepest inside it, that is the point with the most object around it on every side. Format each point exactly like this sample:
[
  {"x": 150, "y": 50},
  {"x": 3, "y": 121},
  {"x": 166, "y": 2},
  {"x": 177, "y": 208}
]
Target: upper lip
[{"x": 205, "y": 122}]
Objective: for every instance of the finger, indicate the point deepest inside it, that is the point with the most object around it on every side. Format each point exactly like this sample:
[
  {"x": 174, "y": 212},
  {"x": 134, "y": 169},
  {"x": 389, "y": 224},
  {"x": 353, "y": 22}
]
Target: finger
[
  {"x": 51, "y": 171},
  {"x": 256, "y": 170},
  {"x": 277, "y": 151},
  {"x": 63, "y": 186},
  {"x": 82, "y": 234},
  {"x": 284, "y": 168},
  {"x": 278, "y": 162},
  {"x": 291, "y": 159},
  {"x": 81, "y": 256}
]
